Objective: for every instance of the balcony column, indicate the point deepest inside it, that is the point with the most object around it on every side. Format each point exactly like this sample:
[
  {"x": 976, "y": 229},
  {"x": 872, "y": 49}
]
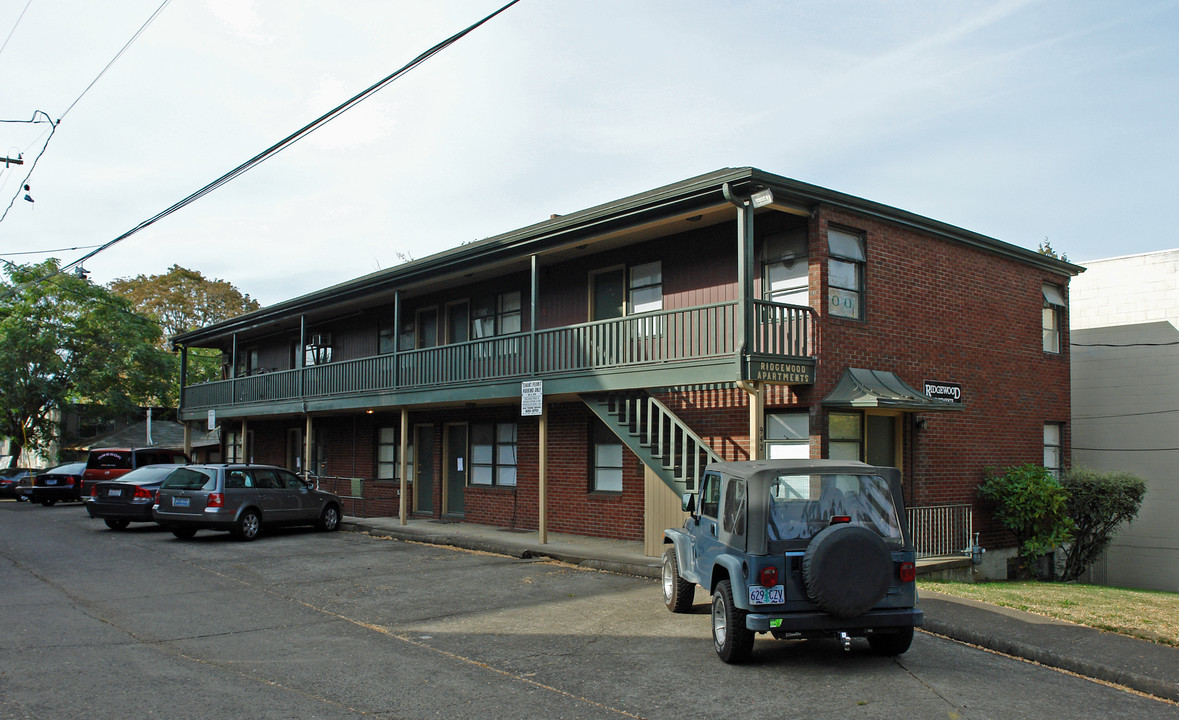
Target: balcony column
[
  {"x": 744, "y": 273},
  {"x": 542, "y": 474},
  {"x": 307, "y": 450},
  {"x": 301, "y": 356},
  {"x": 403, "y": 466},
  {"x": 396, "y": 338},
  {"x": 245, "y": 457},
  {"x": 183, "y": 373},
  {"x": 533, "y": 303}
]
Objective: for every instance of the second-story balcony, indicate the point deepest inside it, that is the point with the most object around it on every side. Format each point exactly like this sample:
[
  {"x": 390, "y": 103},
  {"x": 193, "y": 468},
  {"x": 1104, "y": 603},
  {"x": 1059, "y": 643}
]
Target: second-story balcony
[{"x": 673, "y": 347}]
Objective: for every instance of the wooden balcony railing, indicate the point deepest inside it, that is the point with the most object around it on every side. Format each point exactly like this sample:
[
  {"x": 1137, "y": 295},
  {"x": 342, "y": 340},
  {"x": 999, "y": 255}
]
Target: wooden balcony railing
[{"x": 650, "y": 339}]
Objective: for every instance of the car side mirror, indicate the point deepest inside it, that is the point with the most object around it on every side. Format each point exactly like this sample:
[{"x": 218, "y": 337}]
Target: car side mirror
[{"x": 688, "y": 503}]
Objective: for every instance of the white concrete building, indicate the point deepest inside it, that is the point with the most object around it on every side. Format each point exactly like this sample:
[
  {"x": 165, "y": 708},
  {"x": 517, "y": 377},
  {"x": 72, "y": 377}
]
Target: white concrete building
[{"x": 1125, "y": 400}]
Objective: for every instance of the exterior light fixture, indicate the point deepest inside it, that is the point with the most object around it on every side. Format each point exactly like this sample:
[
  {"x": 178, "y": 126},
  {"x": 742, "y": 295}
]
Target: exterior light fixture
[{"x": 761, "y": 198}]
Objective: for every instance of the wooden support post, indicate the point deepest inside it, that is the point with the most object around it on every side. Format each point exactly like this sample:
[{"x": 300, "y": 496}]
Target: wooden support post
[
  {"x": 542, "y": 490},
  {"x": 403, "y": 466}
]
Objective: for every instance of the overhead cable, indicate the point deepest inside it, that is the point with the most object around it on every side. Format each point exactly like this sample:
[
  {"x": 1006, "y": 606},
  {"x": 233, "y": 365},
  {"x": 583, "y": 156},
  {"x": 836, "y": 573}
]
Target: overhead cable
[{"x": 275, "y": 148}]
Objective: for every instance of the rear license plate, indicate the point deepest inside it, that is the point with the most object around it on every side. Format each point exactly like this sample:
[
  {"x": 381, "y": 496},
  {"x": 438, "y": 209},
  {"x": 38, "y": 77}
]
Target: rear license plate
[
  {"x": 179, "y": 502},
  {"x": 50, "y": 481},
  {"x": 114, "y": 492},
  {"x": 759, "y": 595}
]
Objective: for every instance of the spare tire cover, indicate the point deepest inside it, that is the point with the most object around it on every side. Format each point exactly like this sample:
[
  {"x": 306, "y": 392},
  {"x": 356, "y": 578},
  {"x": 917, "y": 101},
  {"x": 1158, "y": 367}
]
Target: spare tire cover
[{"x": 847, "y": 570}]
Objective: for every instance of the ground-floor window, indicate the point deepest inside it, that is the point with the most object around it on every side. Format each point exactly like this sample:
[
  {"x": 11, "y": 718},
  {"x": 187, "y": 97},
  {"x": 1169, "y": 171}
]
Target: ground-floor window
[
  {"x": 788, "y": 435},
  {"x": 388, "y": 462},
  {"x": 234, "y": 452},
  {"x": 1052, "y": 447},
  {"x": 845, "y": 436},
  {"x": 493, "y": 454},
  {"x": 606, "y": 470}
]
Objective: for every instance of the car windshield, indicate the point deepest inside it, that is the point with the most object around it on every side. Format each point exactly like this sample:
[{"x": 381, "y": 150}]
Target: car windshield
[
  {"x": 190, "y": 479},
  {"x": 802, "y": 506},
  {"x": 109, "y": 460}
]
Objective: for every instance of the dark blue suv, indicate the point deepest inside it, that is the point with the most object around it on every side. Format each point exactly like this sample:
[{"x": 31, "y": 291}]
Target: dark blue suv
[{"x": 797, "y": 548}]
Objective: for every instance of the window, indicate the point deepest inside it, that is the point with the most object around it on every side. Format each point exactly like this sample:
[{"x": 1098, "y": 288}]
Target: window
[
  {"x": 428, "y": 328},
  {"x": 845, "y": 436},
  {"x": 786, "y": 272},
  {"x": 493, "y": 454},
  {"x": 247, "y": 362},
  {"x": 1053, "y": 314},
  {"x": 388, "y": 464},
  {"x": 1052, "y": 447},
  {"x": 234, "y": 452},
  {"x": 386, "y": 334},
  {"x": 845, "y": 274},
  {"x": 406, "y": 337},
  {"x": 733, "y": 521},
  {"x": 318, "y": 453},
  {"x": 607, "y": 460},
  {"x": 710, "y": 495},
  {"x": 788, "y": 435},
  {"x": 318, "y": 349},
  {"x": 496, "y": 315},
  {"x": 646, "y": 288}
]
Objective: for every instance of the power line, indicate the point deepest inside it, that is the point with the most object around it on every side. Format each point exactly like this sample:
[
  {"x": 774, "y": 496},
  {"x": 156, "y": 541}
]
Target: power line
[
  {"x": 14, "y": 26},
  {"x": 274, "y": 149},
  {"x": 33, "y": 165},
  {"x": 116, "y": 57},
  {"x": 44, "y": 252}
]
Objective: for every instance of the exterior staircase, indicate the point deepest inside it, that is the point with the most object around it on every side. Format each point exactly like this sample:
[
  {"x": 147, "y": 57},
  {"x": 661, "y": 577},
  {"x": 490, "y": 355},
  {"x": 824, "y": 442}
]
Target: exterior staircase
[{"x": 656, "y": 436}]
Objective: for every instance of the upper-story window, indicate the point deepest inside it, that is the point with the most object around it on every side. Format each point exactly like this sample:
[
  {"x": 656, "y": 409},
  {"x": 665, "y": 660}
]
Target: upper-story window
[
  {"x": 786, "y": 270},
  {"x": 318, "y": 349},
  {"x": 496, "y": 315},
  {"x": 1053, "y": 317},
  {"x": 618, "y": 291},
  {"x": 845, "y": 274}
]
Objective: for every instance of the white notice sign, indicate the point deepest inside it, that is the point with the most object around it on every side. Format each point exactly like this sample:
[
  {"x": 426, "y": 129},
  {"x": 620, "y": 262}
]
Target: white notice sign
[
  {"x": 531, "y": 397},
  {"x": 212, "y": 419}
]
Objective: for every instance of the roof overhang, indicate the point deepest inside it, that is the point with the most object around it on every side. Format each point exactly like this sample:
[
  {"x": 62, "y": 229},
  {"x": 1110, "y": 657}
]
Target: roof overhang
[{"x": 861, "y": 389}]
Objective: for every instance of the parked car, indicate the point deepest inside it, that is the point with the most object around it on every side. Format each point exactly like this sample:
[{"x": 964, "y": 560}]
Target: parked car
[
  {"x": 110, "y": 463},
  {"x": 798, "y": 549},
  {"x": 241, "y": 499},
  {"x": 128, "y": 499},
  {"x": 10, "y": 478},
  {"x": 60, "y": 484}
]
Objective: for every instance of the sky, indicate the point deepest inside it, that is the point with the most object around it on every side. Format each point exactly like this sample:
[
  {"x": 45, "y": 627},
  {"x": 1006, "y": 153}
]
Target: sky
[{"x": 1024, "y": 120}]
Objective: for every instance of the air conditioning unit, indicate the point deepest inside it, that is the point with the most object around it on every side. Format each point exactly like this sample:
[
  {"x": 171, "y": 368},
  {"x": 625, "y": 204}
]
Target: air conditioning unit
[{"x": 321, "y": 340}]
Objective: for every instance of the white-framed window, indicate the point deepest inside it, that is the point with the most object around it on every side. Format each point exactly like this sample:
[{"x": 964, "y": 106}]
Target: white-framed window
[
  {"x": 845, "y": 274},
  {"x": 845, "y": 436},
  {"x": 1053, "y": 457},
  {"x": 646, "y": 288},
  {"x": 1053, "y": 313},
  {"x": 388, "y": 462},
  {"x": 493, "y": 454},
  {"x": 234, "y": 452},
  {"x": 786, "y": 269},
  {"x": 606, "y": 470},
  {"x": 788, "y": 435}
]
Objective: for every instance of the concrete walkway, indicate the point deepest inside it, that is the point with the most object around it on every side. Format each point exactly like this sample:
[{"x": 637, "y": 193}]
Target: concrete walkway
[{"x": 1147, "y": 667}]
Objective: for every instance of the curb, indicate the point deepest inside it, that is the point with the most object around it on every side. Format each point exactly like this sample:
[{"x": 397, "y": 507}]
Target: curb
[{"x": 1032, "y": 653}]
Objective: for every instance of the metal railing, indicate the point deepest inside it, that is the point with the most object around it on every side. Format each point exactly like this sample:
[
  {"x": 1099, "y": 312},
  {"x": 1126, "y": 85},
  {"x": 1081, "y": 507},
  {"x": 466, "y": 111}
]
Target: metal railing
[
  {"x": 940, "y": 530},
  {"x": 649, "y": 339}
]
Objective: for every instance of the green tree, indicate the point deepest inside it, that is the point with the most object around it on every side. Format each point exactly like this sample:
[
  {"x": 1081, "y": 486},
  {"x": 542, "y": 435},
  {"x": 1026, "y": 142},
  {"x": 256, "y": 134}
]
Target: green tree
[
  {"x": 181, "y": 300},
  {"x": 1031, "y": 503},
  {"x": 1097, "y": 503},
  {"x": 65, "y": 340}
]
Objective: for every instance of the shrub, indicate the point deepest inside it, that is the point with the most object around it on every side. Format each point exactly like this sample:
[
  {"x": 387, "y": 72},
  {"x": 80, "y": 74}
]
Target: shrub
[
  {"x": 1031, "y": 503},
  {"x": 1097, "y": 504}
]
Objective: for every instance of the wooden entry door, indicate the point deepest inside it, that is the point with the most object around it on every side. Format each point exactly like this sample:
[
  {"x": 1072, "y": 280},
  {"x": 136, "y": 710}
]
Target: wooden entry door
[{"x": 455, "y": 473}]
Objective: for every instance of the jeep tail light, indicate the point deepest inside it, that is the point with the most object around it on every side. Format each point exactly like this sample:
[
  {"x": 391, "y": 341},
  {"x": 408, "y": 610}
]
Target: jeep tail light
[
  {"x": 838, "y": 519},
  {"x": 908, "y": 572},
  {"x": 216, "y": 500},
  {"x": 768, "y": 576}
]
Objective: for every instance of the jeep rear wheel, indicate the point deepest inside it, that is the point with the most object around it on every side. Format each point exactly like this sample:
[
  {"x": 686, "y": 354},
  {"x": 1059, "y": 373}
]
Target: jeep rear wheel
[
  {"x": 847, "y": 570},
  {"x": 732, "y": 641},
  {"x": 678, "y": 593}
]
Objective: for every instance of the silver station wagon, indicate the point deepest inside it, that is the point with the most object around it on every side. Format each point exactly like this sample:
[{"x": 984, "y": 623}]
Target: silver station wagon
[{"x": 241, "y": 499}]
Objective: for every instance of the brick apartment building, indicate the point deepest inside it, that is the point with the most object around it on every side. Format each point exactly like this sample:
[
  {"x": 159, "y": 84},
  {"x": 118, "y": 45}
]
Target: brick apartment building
[{"x": 575, "y": 375}]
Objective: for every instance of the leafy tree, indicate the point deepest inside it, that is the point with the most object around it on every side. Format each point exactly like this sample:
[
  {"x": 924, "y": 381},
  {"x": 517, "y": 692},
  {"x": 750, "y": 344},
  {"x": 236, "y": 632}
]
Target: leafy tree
[
  {"x": 1097, "y": 503},
  {"x": 64, "y": 340},
  {"x": 181, "y": 300},
  {"x": 1046, "y": 249},
  {"x": 1031, "y": 503}
]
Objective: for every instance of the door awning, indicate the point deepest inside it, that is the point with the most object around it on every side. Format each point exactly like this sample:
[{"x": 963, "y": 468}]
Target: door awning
[{"x": 860, "y": 389}]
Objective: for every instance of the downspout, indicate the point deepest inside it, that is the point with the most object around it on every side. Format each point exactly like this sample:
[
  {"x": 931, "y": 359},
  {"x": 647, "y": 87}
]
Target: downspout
[{"x": 744, "y": 294}]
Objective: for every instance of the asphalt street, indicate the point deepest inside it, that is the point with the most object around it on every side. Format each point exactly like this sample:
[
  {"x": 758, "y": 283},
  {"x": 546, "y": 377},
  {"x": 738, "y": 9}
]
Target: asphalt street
[{"x": 302, "y": 624}]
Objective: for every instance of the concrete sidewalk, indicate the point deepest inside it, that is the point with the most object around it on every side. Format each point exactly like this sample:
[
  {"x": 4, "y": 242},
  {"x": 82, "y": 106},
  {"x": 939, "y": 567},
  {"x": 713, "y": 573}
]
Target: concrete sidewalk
[{"x": 1147, "y": 667}]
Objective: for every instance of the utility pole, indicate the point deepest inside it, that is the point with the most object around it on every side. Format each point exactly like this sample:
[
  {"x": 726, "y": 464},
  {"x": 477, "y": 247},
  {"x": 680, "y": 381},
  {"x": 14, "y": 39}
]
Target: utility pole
[{"x": 13, "y": 161}]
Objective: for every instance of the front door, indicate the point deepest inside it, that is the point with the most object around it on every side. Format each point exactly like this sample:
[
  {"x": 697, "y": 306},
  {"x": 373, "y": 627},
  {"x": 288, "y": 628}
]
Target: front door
[
  {"x": 455, "y": 473},
  {"x": 423, "y": 450},
  {"x": 882, "y": 441}
]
